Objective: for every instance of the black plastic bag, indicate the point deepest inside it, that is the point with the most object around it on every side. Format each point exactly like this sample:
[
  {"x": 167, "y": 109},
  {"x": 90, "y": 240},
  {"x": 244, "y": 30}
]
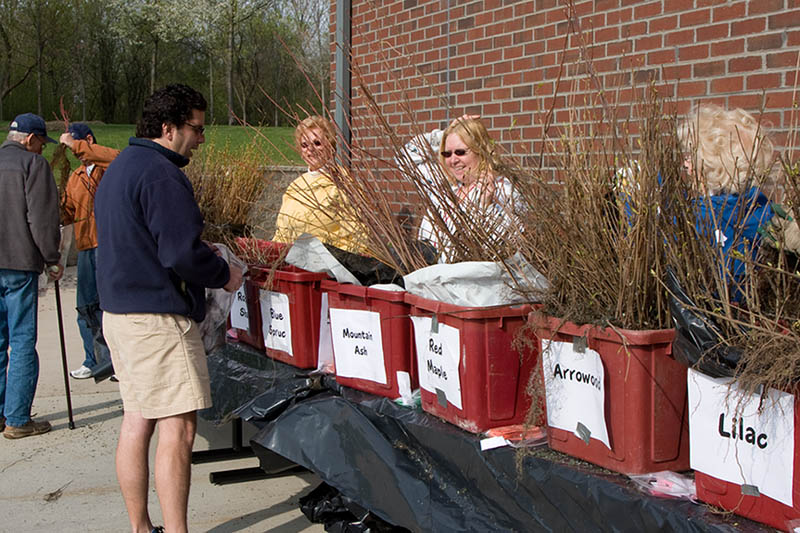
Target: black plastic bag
[
  {"x": 370, "y": 271},
  {"x": 697, "y": 341},
  {"x": 367, "y": 270},
  {"x": 340, "y": 514}
]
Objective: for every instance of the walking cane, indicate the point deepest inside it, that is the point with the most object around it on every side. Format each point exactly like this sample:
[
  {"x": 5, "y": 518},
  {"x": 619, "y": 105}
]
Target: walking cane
[{"x": 64, "y": 356}]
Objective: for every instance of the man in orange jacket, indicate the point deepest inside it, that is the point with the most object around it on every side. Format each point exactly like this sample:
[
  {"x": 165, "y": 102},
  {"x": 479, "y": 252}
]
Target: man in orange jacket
[{"x": 78, "y": 209}]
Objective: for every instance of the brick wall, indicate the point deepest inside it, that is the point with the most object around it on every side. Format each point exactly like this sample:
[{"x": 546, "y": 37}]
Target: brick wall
[{"x": 507, "y": 60}]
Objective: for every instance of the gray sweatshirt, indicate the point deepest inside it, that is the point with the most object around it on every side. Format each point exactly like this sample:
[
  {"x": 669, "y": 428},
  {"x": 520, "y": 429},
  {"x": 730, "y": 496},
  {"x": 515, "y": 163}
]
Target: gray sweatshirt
[{"x": 29, "y": 232}]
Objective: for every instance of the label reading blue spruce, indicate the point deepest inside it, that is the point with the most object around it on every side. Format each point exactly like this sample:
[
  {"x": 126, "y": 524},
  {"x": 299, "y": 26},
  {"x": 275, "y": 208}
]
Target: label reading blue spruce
[
  {"x": 358, "y": 344},
  {"x": 239, "y": 315},
  {"x": 438, "y": 357},
  {"x": 742, "y": 438},
  {"x": 574, "y": 390},
  {"x": 276, "y": 321}
]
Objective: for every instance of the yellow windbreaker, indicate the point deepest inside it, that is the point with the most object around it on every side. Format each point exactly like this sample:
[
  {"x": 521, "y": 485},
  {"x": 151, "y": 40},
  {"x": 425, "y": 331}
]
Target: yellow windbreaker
[{"x": 312, "y": 204}]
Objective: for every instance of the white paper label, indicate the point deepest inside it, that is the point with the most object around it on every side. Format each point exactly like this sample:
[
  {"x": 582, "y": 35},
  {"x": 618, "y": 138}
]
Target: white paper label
[
  {"x": 575, "y": 390},
  {"x": 358, "y": 344},
  {"x": 276, "y": 322},
  {"x": 239, "y": 316},
  {"x": 491, "y": 443},
  {"x": 325, "y": 351},
  {"x": 730, "y": 440},
  {"x": 438, "y": 357}
]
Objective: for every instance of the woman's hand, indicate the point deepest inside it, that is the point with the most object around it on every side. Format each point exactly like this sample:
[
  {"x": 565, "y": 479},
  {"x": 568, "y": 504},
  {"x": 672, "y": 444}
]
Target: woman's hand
[{"x": 488, "y": 189}]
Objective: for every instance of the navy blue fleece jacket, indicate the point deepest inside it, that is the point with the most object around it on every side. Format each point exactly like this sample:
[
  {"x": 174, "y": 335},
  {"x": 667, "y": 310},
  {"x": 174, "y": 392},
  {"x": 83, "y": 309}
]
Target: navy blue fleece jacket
[{"x": 150, "y": 258}]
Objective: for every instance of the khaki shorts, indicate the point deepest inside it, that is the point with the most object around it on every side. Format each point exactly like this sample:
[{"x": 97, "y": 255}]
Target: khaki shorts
[{"x": 160, "y": 362}]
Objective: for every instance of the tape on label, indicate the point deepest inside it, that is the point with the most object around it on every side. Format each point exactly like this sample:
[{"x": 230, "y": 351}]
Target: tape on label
[
  {"x": 441, "y": 397},
  {"x": 750, "y": 490},
  {"x": 583, "y": 432},
  {"x": 579, "y": 344}
]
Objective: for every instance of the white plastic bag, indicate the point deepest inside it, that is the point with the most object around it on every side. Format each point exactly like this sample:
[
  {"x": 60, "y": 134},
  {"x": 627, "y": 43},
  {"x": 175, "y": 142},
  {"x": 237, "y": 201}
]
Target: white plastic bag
[
  {"x": 476, "y": 283},
  {"x": 666, "y": 484},
  {"x": 310, "y": 254},
  {"x": 218, "y": 305}
]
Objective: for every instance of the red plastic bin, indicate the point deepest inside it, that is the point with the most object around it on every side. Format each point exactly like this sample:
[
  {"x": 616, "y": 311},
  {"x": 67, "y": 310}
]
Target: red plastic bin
[
  {"x": 301, "y": 293},
  {"x": 253, "y": 335},
  {"x": 646, "y": 403},
  {"x": 395, "y": 330},
  {"x": 760, "y": 508},
  {"x": 492, "y": 374},
  {"x": 258, "y": 254}
]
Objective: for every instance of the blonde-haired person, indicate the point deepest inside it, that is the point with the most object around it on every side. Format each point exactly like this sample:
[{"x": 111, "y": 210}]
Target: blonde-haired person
[
  {"x": 728, "y": 155},
  {"x": 469, "y": 160},
  {"x": 312, "y": 202},
  {"x": 729, "y": 148}
]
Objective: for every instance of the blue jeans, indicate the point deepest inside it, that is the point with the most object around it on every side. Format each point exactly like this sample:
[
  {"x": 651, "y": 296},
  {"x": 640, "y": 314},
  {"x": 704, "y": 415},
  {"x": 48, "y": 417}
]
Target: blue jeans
[
  {"x": 19, "y": 368},
  {"x": 88, "y": 302}
]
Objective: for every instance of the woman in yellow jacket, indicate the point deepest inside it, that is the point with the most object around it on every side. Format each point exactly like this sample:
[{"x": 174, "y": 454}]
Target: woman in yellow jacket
[{"x": 312, "y": 202}]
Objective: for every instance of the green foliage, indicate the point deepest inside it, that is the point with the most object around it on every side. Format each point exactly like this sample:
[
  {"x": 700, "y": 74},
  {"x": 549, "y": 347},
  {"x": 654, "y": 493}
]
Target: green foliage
[{"x": 261, "y": 59}]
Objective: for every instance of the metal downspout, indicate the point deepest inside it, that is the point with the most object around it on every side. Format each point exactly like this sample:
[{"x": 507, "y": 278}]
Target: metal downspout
[{"x": 342, "y": 94}]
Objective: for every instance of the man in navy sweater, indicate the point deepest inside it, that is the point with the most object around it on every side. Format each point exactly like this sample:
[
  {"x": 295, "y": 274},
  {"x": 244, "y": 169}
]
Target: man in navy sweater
[{"x": 152, "y": 270}]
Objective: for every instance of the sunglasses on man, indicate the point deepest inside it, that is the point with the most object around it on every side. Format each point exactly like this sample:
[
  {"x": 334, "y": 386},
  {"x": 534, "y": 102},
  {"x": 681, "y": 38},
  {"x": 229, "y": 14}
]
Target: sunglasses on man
[{"x": 200, "y": 130}]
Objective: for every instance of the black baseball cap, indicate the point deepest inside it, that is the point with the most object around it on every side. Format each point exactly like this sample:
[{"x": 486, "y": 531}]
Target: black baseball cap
[{"x": 80, "y": 131}]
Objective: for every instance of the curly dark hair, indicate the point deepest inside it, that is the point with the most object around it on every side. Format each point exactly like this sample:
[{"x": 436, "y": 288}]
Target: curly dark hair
[{"x": 171, "y": 105}]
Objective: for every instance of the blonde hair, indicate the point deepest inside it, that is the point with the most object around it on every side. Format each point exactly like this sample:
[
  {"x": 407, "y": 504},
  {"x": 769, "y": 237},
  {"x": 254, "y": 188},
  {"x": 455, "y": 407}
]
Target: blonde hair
[
  {"x": 316, "y": 122},
  {"x": 474, "y": 134},
  {"x": 730, "y": 148}
]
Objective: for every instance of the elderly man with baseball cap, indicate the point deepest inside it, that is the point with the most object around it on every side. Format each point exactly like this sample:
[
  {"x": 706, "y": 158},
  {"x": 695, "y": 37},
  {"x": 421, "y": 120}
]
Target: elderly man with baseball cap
[
  {"x": 78, "y": 209},
  {"x": 29, "y": 239}
]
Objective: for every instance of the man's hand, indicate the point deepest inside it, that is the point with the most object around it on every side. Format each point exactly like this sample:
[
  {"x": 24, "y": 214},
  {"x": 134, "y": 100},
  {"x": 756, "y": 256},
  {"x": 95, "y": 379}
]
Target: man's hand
[
  {"x": 66, "y": 138},
  {"x": 55, "y": 272},
  {"x": 236, "y": 279}
]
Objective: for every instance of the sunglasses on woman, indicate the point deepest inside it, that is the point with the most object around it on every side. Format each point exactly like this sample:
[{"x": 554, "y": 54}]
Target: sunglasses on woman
[
  {"x": 459, "y": 152},
  {"x": 317, "y": 143}
]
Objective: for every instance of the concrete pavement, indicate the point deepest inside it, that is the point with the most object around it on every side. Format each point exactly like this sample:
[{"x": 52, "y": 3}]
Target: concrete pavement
[{"x": 65, "y": 480}]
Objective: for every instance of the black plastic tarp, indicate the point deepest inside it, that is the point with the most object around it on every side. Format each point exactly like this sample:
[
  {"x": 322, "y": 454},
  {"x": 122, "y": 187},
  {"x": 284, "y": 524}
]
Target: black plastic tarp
[
  {"x": 240, "y": 373},
  {"x": 418, "y": 472}
]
